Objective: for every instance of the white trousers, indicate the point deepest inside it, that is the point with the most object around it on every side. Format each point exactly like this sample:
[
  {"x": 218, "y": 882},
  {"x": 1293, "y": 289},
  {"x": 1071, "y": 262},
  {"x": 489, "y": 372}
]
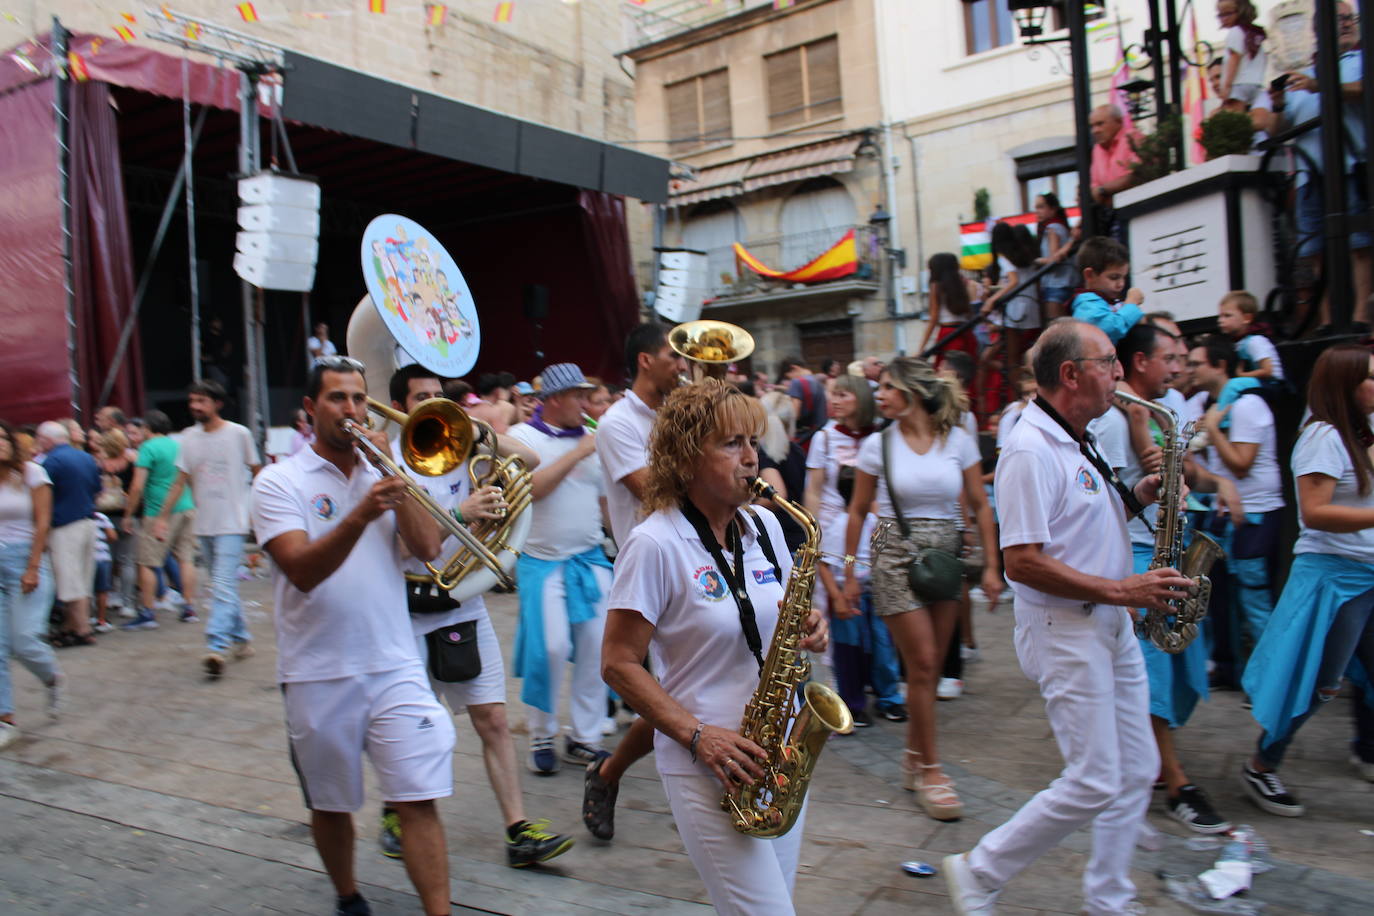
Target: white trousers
[
  {"x": 582, "y": 642},
  {"x": 1088, "y": 665},
  {"x": 743, "y": 874}
]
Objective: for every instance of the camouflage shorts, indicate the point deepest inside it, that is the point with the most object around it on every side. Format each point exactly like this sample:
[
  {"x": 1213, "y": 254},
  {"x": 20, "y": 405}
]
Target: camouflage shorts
[{"x": 892, "y": 554}]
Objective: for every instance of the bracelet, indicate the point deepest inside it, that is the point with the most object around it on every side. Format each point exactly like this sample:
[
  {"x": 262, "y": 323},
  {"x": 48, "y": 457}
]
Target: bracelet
[
  {"x": 696, "y": 736},
  {"x": 458, "y": 515},
  {"x": 849, "y": 561}
]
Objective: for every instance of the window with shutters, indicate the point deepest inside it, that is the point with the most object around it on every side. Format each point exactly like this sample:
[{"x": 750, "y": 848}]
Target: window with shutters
[
  {"x": 804, "y": 84},
  {"x": 698, "y": 111}
]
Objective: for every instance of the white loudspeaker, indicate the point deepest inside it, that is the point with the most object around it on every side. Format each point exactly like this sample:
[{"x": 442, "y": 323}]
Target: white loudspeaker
[
  {"x": 682, "y": 284},
  {"x": 279, "y": 246}
]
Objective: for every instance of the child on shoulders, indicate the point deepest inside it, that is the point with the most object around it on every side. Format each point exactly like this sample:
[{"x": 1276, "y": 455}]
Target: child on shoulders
[{"x": 1105, "y": 264}]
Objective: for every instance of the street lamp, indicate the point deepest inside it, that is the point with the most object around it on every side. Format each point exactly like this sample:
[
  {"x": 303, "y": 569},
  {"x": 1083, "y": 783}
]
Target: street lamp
[
  {"x": 1138, "y": 97},
  {"x": 1030, "y": 16}
]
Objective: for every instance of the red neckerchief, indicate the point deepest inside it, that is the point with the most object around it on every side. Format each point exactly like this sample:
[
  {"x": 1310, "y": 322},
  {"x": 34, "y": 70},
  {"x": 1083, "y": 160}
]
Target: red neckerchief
[{"x": 855, "y": 434}]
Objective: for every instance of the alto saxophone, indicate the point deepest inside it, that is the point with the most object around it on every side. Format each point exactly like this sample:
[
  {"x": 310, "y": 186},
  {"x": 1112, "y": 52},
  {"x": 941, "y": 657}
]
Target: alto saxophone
[
  {"x": 1195, "y": 562},
  {"x": 792, "y": 740}
]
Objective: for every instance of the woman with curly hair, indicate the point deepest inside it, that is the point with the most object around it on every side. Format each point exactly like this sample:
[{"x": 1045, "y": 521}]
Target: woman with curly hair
[
  {"x": 931, "y": 460},
  {"x": 698, "y": 584}
]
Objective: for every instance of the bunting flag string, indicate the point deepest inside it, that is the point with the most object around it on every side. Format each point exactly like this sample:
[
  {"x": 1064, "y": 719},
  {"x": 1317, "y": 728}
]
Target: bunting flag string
[
  {"x": 124, "y": 32},
  {"x": 76, "y": 66},
  {"x": 376, "y": 6},
  {"x": 248, "y": 12},
  {"x": 503, "y": 12},
  {"x": 436, "y": 13}
]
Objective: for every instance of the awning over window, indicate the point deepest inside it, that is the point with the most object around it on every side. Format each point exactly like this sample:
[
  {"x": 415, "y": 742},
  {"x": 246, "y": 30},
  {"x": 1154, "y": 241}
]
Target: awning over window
[{"x": 734, "y": 178}]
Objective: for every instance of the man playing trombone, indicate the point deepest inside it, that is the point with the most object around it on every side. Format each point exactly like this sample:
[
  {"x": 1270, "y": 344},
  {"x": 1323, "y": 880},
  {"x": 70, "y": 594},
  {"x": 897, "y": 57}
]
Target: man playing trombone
[{"x": 351, "y": 679}]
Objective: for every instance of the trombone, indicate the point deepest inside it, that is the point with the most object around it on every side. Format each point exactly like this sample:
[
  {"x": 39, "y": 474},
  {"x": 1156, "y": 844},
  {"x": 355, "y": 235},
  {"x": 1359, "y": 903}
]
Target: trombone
[{"x": 435, "y": 438}]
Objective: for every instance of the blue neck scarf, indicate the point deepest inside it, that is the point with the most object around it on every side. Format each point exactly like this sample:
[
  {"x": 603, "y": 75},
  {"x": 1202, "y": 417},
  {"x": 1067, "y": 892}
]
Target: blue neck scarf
[{"x": 537, "y": 421}]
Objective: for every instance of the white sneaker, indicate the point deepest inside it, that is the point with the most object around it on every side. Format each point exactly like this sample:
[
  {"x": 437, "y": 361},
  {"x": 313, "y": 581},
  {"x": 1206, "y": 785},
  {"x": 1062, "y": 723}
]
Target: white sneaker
[
  {"x": 970, "y": 653},
  {"x": 609, "y": 726},
  {"x": 171, "y": 601},
  {"x": 965, "y": 893},
  {"x": 127, "y": 612},
  {"x": 55, "y": 697},
  {"x": 1365, "y": 770},
  {"x": 9, "y": 733},
  {"x": 949, "y": 688}
]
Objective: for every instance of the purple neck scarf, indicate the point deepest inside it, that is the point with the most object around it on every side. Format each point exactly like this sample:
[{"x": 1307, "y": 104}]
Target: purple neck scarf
[{"x": 537, "y": 421}]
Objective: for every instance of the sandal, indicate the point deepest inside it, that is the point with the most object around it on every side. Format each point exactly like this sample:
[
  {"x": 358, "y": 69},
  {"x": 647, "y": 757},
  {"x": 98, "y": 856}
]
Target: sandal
[
  {"x": 938, "y": 799},
  {"x": 911, "y": 766}
]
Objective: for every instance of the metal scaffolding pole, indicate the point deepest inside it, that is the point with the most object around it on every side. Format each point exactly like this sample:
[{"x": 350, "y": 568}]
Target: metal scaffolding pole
[{"x": 60, "y": 108}]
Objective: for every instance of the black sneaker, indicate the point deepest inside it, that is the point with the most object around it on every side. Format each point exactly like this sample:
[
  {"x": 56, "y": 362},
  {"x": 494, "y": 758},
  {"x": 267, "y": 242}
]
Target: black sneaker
[
  {"x": 1269, "y": 792},
  {"x": 862, "y": 718},
  {"x": 892, "y": 712},
  {"x": 598, "y": 800},
  {"x": 1191, "y": 808},
  {"x": 352, "y": 906},
  {"x": 533, "y": 844},
  {"x": 390, "y": 836}
]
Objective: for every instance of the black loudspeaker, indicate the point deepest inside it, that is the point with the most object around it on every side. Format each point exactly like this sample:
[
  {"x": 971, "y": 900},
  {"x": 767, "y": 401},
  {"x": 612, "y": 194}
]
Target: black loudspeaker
[{"x": 536, "y": 302}]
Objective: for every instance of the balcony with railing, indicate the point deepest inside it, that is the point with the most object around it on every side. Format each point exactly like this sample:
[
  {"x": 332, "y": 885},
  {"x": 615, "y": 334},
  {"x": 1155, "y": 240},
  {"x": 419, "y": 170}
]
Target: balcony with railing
[
  {"x": 732, "y": 283},
  {"x": 660, "y": 19}
]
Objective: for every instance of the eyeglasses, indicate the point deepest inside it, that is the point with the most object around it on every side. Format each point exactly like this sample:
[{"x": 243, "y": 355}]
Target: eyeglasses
[
  {"x": 338, "y": 363},
  {"x": 1107, "y": 361},
  {"x": 1347, "y": 18}
]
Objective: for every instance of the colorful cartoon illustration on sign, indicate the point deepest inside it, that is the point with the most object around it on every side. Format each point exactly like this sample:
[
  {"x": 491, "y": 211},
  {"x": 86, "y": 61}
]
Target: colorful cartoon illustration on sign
[{"x": 421, "y": 295}]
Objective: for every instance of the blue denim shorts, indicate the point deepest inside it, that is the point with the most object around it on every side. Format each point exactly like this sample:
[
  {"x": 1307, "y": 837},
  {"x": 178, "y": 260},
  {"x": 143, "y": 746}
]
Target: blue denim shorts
[
  {"x": 1056, "y": 293},
  {"x": 104, "y": 577},
  {"x": 1311, "y": 235}
]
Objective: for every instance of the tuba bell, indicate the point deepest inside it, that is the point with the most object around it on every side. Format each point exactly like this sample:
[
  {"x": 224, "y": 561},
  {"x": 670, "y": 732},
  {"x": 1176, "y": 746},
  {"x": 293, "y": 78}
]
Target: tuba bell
[
  {"x": 439, "y": 437},
  {"x": 710, "y": 346}
]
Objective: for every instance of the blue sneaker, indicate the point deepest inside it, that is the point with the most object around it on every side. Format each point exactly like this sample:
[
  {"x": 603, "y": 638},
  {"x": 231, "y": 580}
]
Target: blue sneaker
[
  {"x": 144, "y": 621},
  {"x": 543, "y": 757}
]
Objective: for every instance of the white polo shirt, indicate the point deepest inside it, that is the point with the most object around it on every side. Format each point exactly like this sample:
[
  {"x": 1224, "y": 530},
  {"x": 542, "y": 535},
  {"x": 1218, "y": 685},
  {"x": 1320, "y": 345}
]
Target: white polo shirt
[
  {"x": 567, "y": 521},
  {"x": 1049, "y": 494},
  {"x": 448, "y": 490},
  {"x": 622, "y": 443},
  {"x": 665, "y": 574},
  {"x": 1319, "y": 450},
  {"x": 355, "y": 621}
]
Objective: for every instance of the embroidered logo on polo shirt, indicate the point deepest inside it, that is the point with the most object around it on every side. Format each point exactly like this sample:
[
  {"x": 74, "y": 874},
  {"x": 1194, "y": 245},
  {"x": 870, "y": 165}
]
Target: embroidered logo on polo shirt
[
  {"x": 764, "y": 576},
  {"x": 1088, "y": 481},
  {"x": 323, "y": 506},
  {"x": 710, "y": 584},
  {"x": 453, "y": 488},
  {"x": 426, "y": 723}
]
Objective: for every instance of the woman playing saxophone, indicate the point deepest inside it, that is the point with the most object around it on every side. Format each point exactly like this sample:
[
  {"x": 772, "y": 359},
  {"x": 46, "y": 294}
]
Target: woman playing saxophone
[{"x": 695, "y": 585}]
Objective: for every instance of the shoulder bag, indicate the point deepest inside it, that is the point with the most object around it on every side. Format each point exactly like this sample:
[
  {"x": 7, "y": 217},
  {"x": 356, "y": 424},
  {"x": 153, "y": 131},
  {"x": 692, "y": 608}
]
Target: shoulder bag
[{"x": 933, "y": 574}]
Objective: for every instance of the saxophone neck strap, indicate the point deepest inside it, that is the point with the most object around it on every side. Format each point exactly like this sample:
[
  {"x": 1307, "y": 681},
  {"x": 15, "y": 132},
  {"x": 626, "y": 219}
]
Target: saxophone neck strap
[
  {"x": 765, "y": 542},
  {"x": 734, "y": 577},
  {"x": 1088, "y": 447}
]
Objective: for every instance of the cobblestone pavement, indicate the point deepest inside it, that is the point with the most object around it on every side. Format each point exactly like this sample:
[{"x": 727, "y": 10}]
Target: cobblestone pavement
[{"x": 162, "y": 792}]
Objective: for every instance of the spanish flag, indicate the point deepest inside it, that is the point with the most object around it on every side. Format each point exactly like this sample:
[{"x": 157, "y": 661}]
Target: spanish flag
[
  {"x": 248, "y": 12},
  {"x": 124, "y": 32},
  {"x": 193, "y": 31},
  {"x": 840, "y": 260},
  {"x": 76, "y": 66},
  {"x": 376, "y": 6},
  {"x": 503, "y": 12},
  {"x": 435, "y": 13}
]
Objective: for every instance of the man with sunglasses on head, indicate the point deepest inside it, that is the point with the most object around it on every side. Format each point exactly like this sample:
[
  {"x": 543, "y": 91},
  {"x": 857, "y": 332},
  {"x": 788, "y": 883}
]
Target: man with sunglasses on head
[
  {"x": 1063, "y": 520},
  {"x": 351, "y": 679}
]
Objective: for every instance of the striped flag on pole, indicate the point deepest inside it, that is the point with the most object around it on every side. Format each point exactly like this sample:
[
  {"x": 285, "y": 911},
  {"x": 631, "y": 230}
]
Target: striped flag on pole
[
  {"x": 124, "y": 32},
  {"x": 503, "y": 12},
  {"x": 376, "y": 6},
  {"x": 436, "y": 13},
  {"x": 248, "y": 12}
]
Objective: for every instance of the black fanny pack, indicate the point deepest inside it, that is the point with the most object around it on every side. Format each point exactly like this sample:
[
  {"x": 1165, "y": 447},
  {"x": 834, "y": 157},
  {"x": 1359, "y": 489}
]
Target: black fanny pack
[
  {"x": 453, "y": 655},
  {"x": 427, "y": 598}
]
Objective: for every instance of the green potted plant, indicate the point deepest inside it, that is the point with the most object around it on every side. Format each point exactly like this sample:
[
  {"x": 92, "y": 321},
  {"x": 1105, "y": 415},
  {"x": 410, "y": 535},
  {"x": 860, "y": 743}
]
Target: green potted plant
[
  {"x": 1156, "y": 150},
  {"x": 1227, "y": 133}
]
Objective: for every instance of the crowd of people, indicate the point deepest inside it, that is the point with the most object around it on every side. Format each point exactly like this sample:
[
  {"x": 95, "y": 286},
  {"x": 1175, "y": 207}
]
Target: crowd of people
[{"x": 652, "y": 577}]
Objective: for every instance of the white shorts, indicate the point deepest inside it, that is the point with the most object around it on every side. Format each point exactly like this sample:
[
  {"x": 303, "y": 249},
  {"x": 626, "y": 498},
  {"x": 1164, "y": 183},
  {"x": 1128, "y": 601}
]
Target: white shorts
[
  {"x": 487, "y": 687},
  {"x": 1021, "y": 312},
  {"x": 73, "y": 559},
  {"x": 392, "y": 716}
]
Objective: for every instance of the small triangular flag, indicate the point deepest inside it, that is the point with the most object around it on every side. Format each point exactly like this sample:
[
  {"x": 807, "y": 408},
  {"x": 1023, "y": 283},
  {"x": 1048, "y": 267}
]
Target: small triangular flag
[
  {"x": 124, "y": 32},
  {"x": 436, "y": 13},
  {"x": 248, "y": 12},
  {"x": 376, "y": 6},
  {"x": 503, "y": 12},
  {"x": 76, "y": 65}
]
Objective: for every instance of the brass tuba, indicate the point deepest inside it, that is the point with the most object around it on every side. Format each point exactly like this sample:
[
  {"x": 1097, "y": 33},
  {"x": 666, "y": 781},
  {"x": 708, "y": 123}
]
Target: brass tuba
[
  {"x": 793, "y": 738},
  {"x": 710, "y": 346},
  {"x": 437, "y": 437}
]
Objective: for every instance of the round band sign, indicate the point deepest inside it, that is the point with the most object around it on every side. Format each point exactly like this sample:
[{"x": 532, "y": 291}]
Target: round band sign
[{"x": 421, "y": 295}]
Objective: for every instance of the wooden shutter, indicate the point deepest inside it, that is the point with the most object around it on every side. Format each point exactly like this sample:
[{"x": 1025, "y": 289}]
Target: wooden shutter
[
  {"x": 715, "y": 106},
  {"x": 823, "y": 79},
  {"x": 786, "y": 89},
  {"x": 684, "y": 125}
]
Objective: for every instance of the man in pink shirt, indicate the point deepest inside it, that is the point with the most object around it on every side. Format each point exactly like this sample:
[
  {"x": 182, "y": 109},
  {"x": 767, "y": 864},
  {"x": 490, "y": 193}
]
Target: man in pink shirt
[{"x": 1112, "y": 154}]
